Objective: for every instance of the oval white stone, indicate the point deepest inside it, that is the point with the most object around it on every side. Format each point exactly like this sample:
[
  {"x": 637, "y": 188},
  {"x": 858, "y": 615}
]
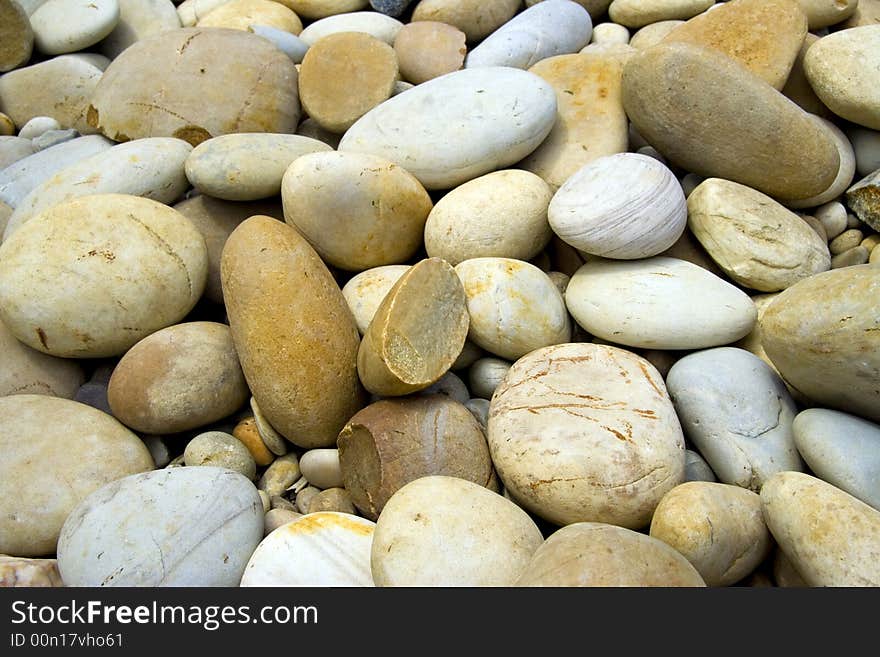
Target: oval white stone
[{"x": 62, "y": 26}]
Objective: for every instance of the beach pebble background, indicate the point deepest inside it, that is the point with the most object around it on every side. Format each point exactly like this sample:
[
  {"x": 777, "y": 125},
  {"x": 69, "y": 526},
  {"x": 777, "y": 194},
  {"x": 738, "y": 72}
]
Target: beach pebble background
[{"x": 439, "y": 292}]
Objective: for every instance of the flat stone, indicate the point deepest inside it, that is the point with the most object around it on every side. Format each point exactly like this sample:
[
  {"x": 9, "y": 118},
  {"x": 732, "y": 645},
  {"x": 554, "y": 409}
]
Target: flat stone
[
  {"x": 291, "y": 304},
  {"x": 476, "y": 18},
  {"x": 195, "y": 527},
  {"x": 378, "y": 25},
  {"x": 638, "y": 13},
  {"x": 46, "y": 440},
  {"x": 550, "y": 28},
  {"x": 203, "y": 97},
  {"x": 16, "y": 36},
  {"x": 842, "y": 449},
  {"x": 63, "y": 26},
  {"x": 658, "y": 303},
  {"x": 139, "y": 19},
  {"x": 459, "y": 126},
  {"x": 343, "y": 76},
  {"x": 60, "y": 87},
  {"x": 427, "y": 49},
  {"x": 830, "y": 537},
  {"x": 842, "y": 68},
  {"x": 780, "y": 150},
  {"x": 764, "y": 36},
  {"x": 755, "y": 240},
  {"x": 829, "y": 324},
  {"x": 590, "y": 123}
]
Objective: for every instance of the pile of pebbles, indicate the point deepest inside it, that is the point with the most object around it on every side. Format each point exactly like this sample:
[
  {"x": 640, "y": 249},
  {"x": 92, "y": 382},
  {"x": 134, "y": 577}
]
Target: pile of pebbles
[{"x": 446, "y": 292}]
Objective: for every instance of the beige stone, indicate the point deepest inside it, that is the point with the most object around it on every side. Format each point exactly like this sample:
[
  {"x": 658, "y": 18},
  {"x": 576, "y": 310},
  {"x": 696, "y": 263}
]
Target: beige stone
[
  {"x": 428, "y": 49},
  {"x": 845, "y": 173},
  {"x": 343, "y": 76},
  {"x": 276, "y": 518},
  {"x": 842, "y": 71},
  {"x": 823, "y": 335},
  {"x": 222, "y": 450},
  {"x": 60, "y": 87},
  {"x": 395, "y": 441},
  {"x": 857, "y": 255},
  {"x": 27, "y": 371},
  {"x": 336, "y": 500},
  {"x": 384, "y": 28},
  {"x": 756, "y": 241},
  {"x": 139, "y": 19},
  {"x": 317, "y": 9},
  {"x": 47, "y": 440},
  {"x": 417, "y": 333},
  {"x": 64, "y": 26},
  {"x": 719, "y": 528},
  {"x": 357, "y": 210},
  {"x": 638, "y": 13},
  {"x": 291, "y": 304},
  {"x": 590, "y": 120},
  {"x": 584, "y": 432},
  {"x": 797, "y": 88},
  {"x": 595, "y": 7},
  {"x": 592, "y": 554},
  {"x": 94, "y": 275},
  {"x": 241, "y": 14},
  {"x": 501, "y": 214},
  {"x": 867, "y": 12},
  {"x": 179, "y": 378},
  {"x": 701, "y": 126},
  {"x": 281, "y": 474},
  {"x": 365, "y": 291},
  {"x": 476, "y": 18},
  {"x": 7, "y": 126},
  {"x": 16, "y": 36},
  {"x": 201, "y": 97},
  {"x": 822, "y": 13},
  {"x": 16, "y": 572},
  {"x": 654, "y": 33},
  {"x": 831, "y": 538},
  {"x": 765, "y": 36}
]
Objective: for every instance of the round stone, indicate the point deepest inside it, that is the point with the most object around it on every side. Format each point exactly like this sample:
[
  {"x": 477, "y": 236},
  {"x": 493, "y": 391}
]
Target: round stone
[
  {"x": 222, "y": 450},
  {"x": 428, "y": 49},
  {"x": 16, "y": 36},
  {"x": 63, "y": 26}
]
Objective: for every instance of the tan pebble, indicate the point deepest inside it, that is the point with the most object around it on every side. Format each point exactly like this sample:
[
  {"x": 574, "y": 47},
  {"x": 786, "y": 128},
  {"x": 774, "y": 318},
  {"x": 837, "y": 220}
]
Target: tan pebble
[
  {"x": 332, "y": 499},
  {"x": 246, "y": 431},
  {"x": 845, "y": 241},
  {"x": 7, "y": 127},
  {"x": 845, "y": 172},
  {"x": 16, "y": 36},
  {"x": 276, "y": 518},
  {"x": 264, "y": 499},
  {"x": 278, "y": 502},
  {"x": 609, "y": 33},
  {"x": 797, "y": 88},
  {"x": 852, "y": 221},
  {"x": 870, "y": 242},
  {"x": 560, "y": 280},
  {"x": 18, "y": 571},
  {"x": 832, "y": 216},
  {"x": 311, "y": 128},
  {"x": 316, "y": 9},
  {"x": 220, "y": 449},
  {"x": 392, "y": 442},
  {"x": 345, "y": 75},
  {"x": 654, "y": 33},
  {"x": 638, "y": 13},
  {"x": 280, "y": 475},
  {"x": 823, "y": 13},
  {"x": 241, "y": 14},
  {"x": 365, "y": 291},
  {"x": 867, "y": 12},
  {"x": 304, "y": 498},
  {"x": 321, "y": 467},
  {"x": 417, "y": 332},
  {"x": 476, "y": 18},
  {"x": 24, "y": 370},
  {"x": 857, "y": 255},
  {"x": 428, "y": 49}
]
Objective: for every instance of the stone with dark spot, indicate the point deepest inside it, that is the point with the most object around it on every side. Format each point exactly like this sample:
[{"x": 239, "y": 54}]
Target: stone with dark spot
[{"x": 863, "y": 198}]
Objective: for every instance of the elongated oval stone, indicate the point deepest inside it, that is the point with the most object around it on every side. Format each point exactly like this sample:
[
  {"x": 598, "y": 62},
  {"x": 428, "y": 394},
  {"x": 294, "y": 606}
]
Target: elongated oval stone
[{"x": 726, "y": 122}]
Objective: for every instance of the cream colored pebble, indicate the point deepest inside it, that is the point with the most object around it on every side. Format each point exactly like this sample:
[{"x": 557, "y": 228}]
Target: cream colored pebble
[
  {"x": 858, "y": 255},
  {"x": 321, "y": 468},
  {"x": 304, "y": 498},
  {"x": 486, "y": 374},
  {"x": 870, "y": 242},
  {"x": 610, "y": 33},
  {"x": 852, "y": 221},
  {"x": 874, "y": 258},
  {"x": 37, "y": 126},
  {"x": 833, "y": 217},
  {"x": 816, "y": 225},
  {"x": 276, "y": 518},
  {"x": 845, "y": 241}
]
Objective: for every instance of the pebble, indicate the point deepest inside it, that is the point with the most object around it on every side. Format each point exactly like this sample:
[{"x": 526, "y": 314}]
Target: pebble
[
  {"x": 417, "y": 332},
  {"x": 318, "y": 549},
  {"x": 16, "y": 36},
  {"x": 487, "y": 540},
  {"x": 304, "y": 498},
  {"x": 365, "y": 291},
  {"x": 719, "y": 528},
  {"x": 246, "y": 431},
  {"x": 514, "y": 307},
  {"x": 840, "y": 69},
  {"x": 473, "y": 131},
  {"x": 222, "y": 450},
  {"x": 179, "y": 527},
  {"x": 7, "y": 127},
  {"x": 501, "y": 214},
  {"x": 191, "y": 11},
  {"x": 845, "y": 172},
  {"x": 841, "y": 449},
  {"x": 276, "y": 518},
  {"x": 823, "y": 13},
  {"x": 832, "y": 216},
  {"x": 45, "y": 440},
  {"x": 14, "y": 149},
  {"x": 158, "y": 447},
  {"x": 476, "y": 18},
  {"x": 283, "y": 473},
  {"x": 395, "y": 441},
  {"x": 179, "y": 378},
  {"x": 609, "y": 33},
  {"x": 333, "y": 499},
  {"x": 94, "y": 395},
  {"x": 37, "y": 126},
  {"x": 215, "y": 220},
  {"x": 427, "y": 49},
  {"x": 866, "y": 144},
  {"x": 19, "y": 572},
  {"x": 590, "y": 119},
  {"x": 377, "y": 25},
  {"x": 764, "y": 36},
  {"x": 27, "y": 371},
  {"x": 486, "y": 374},
  {"x": 151, "y": 168},
  {"x": 845, "y": 241},
  {"x": 60, "y": 87},
  {"x": 696, "y": 468},
  {"x": 797, "y": 88},
  {"x": 290, "y": 44},
  {"x": 310, "y": 394},
  {"x": 653, "y": 33},
  {"x": 139, "y": 19},
  {"x": 858, "y": 255},
  {"x": 863, "y": 198},
  {"x": 316, "y": 9},
  {"x": 594, "y": 554},
  {"x": 240, "y": 14},
  {"x": 63, "y": 26},
  {"x": 586, "y": 433},
  {"x": 638, "y": 13},
  {"x": 658, "y": 303},
  {"x": 246, "y": 167},
  {"x": 391, "y": 7},
  {"x": 259, "y": 94},
  {"x": 830, "y": 537},
  {"x": 270, "y": 437},
  {"x": 357, "y": 210},
  {"x": 737, "y": 412},
  {"x": 624, "y": 206},
  {"x": 449, "y": 385},
  {"x": 756, "y": 241},
  {"x": 321, "y": 467},
  {"x": 689, "y": 124},
  {"x": 92, "y": 276},
  {"x": 54, "y": 137},
  {"x": 550, "y": 28},
  {"x": 829, "y": 323}
]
